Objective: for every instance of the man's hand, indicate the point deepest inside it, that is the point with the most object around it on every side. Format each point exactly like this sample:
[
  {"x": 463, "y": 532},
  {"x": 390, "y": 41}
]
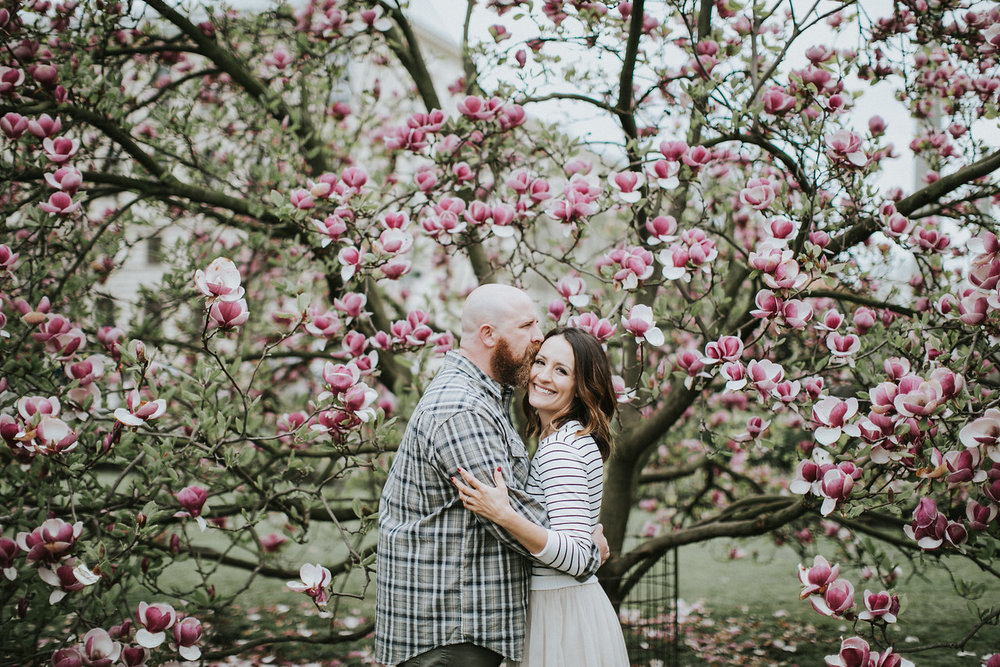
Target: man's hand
[{"x": 601, "y": 542}]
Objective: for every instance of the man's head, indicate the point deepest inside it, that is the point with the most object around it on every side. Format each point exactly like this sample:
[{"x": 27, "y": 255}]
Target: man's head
[{"x": 500, "y": 332}]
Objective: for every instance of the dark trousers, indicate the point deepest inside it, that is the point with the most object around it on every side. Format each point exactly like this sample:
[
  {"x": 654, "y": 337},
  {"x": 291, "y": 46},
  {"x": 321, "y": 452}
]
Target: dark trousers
[{"x": 456, "y": 655}]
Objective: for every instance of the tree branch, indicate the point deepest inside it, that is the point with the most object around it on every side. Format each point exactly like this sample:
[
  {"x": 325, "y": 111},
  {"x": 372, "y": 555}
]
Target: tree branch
[
  {"x": 408, "y": 51},
  {"x": 313, "y": 149},
  {"x": 623, "y": 109},
  {"x": 362, "y": 632},
  {"x": 933, "y": 192}
]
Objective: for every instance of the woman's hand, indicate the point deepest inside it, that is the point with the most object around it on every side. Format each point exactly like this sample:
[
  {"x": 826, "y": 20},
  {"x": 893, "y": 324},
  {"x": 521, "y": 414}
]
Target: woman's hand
[{"x": 489, "y": 502}]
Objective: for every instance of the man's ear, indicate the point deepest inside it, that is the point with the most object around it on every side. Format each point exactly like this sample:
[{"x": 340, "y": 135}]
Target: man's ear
[{"x": 487, "y": 335}]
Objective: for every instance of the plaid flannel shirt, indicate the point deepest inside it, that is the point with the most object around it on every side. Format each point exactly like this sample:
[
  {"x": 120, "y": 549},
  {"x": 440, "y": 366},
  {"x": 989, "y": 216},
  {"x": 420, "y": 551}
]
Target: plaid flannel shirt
[{"x": 444, "y": 575}]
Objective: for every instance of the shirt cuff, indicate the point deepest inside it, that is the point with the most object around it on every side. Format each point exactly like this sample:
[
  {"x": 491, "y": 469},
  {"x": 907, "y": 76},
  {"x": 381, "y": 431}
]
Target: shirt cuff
[{"x": 550, "y": 551}]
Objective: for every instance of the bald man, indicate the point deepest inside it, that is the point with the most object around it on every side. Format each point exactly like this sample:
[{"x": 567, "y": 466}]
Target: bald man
[{"x": 451, "y": 587}]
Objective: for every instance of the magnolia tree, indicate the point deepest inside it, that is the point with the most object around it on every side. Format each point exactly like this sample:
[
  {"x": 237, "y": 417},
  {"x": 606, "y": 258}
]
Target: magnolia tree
[{"x": 799, "y": 350}]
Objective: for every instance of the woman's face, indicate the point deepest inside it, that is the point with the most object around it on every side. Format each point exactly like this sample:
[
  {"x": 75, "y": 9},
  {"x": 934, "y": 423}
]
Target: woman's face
[{"x": 551, "y": 381}]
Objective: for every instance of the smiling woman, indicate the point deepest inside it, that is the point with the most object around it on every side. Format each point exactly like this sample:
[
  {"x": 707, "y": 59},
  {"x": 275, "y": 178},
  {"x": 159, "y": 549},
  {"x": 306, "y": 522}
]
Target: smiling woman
[
  {"x": 569, "y": 403},
  {"x": 550, "y": 391}
]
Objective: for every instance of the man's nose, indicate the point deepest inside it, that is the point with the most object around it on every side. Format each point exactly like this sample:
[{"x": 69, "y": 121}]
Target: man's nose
[{"x": 536, "y": 334}]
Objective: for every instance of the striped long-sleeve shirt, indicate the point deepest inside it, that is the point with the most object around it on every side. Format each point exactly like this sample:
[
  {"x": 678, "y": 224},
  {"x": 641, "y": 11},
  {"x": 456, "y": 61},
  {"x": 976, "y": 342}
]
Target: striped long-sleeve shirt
[
  {"x": 444, "y": 575},
  {"x": 568, "y": 472}
]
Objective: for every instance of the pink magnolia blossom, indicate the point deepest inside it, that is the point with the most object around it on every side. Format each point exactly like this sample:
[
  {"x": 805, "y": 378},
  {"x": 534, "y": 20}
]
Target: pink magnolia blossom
[
  {"x": 864, "y": 319},
  {"x": 777, "y": 102},
  {"x": 66, "y": 179},
  {"x": 978, "y": 515},
  {"x": 786, "y": 276},
  {"x": 187, "y": 633},
  {"x": 53, "y": 436},
  {"x": 844, "y": 146},
  {"x": 60, "y": 149},
  {"x": 45, "y": 74},
  {"x": 601, "y": 328},
  {"x": 29, "y": 406},
  {"x": 640, "y": 324},
  {"x": 313, "y": 582},
  {"x": 882, "y": 605},
  {"x": 917, "y": 397},
  {"x": 973, "y": 308},
  {"x": 843, "y": 346},
  {"x": 66, "y": 657},
  {"x": 45, "y": 126},
  {"x": 135, "y": 656},
  {"x": 10, "y": 79},
  {"x": 896, "y": 367},
  {"x": 220, "y": 281},
  {"x": 769, "y": 306},
  {"x": 350, "y": 259},
  {"x": 359, "y": 399},
  {"x": 888, "y": 659},
  {"x": 99, "y": 649},
  {"x": 836, "y": 600},
  {"x": 787, "y": 391},
  {"x": 765, "y": 374},
  {"x": 192, "y": 499},
  {"x": 323, "y": 324},
  {"x": 155, "y": 620},
  {"x": 13, "y": 125},
  {"x": 754, "y": 429},
  {"x": 8, "y": 258},
  {"x": 351, "y": 304},
  {"x": 69, "y": 577},
  {"x": 727, "y": 348},
  {"x": 477, "y": 108},
  {"x": 780, "y": 228},
  {"x": 573, "y": 289},
  {"x": 9, "y": 550},
  {"x": 963, "y": 467},
  {"x": 796, "y": 313},
  {"x": 758, "y": 194},
  {"x": 662, "y": 229},
  {"x": 50, "y": 542},
  {"x": 673, "y": 150},
  {"x": 735, "y": 374},
  {"x": 374, "y": 18},
  {"x": 340, "y": 377},
  {"x": 831, "y": 414},
  {"x": 228, "y": 314},
  {"x": 835, "y": 487},
  {"x": 928, "y": 525},
  {"x": 817, "y": 578},
  {"x": 626, "y": 185},
  {"x": 854, "y": 652},
  {"x": 664, "y": 172},
  {"x": 502, "y": 216},
  {"x": 139, "y": 411},
  {"x": 696, "y": 157},
  {"x": 302, "y": 199},
  {"x": 556, "y": 309},
  {"x": 59, "y": 203}
]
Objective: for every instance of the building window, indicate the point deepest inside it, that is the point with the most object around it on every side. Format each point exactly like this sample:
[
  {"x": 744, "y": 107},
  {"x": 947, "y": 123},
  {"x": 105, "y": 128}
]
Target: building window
[{"x": 154, "y": 250}]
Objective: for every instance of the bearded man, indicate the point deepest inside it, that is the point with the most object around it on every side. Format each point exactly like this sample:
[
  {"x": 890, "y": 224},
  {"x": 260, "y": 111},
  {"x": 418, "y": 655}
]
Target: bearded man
[{"x": 451, "y": 587}]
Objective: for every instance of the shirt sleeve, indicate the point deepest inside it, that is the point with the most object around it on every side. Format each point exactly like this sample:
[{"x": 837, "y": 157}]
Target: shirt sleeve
[
  {"x": 570, "y": 547},
  {"x": 476, "y": 443}
]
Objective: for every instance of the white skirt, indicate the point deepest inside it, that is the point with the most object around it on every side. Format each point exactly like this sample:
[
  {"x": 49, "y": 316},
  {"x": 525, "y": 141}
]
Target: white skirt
[{"x": 574, "y": 626}]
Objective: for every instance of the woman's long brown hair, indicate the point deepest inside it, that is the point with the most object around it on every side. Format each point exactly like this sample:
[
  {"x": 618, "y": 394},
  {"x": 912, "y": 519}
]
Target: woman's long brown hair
[{"x": 594, "y": 401}]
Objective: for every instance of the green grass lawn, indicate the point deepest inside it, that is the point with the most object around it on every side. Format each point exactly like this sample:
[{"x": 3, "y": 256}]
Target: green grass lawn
[
  {"x": 746, "y": 611},
  {"x": 742, "y": 611}
]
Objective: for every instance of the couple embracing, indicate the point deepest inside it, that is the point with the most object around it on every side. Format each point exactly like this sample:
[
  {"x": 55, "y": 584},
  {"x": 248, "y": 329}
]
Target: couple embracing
[{"x": 483, "y": 554}]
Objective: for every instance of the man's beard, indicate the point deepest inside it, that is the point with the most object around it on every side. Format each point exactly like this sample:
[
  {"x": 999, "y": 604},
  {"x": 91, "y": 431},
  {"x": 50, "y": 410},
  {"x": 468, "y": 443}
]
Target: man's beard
[{"x": 508, "y": 369}]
